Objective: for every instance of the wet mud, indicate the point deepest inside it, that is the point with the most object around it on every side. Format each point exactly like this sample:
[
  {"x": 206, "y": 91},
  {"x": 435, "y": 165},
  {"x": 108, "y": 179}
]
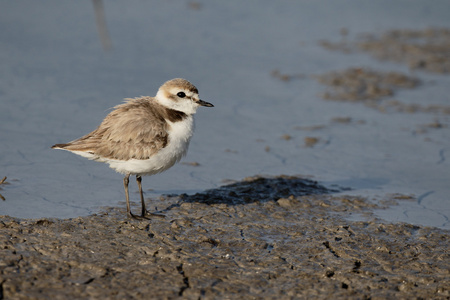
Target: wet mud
[
  {"x": 273, "y": 238},
  {"x": 374, "y": 89},
  {"x": 359, "y": 84},
  {"x": 426, "y": 49}
]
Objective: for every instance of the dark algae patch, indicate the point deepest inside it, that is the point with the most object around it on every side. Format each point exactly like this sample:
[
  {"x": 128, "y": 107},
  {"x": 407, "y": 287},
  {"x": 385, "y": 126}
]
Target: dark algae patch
[
  {"x": 260, "y": 189},
  {"x": 277, "y": 238}
]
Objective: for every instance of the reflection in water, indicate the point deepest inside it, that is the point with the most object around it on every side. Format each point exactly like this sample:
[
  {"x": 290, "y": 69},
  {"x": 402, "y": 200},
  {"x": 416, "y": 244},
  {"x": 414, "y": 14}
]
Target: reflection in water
[{"x": 101, "y": 24}]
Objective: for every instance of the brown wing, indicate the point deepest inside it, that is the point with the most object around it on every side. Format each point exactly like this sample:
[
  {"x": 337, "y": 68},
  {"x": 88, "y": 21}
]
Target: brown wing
[{"x": 135, "y": 129}]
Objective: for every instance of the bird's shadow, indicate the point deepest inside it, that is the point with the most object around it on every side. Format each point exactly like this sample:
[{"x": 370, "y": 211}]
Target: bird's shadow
[{"x": 257, "y": 189}]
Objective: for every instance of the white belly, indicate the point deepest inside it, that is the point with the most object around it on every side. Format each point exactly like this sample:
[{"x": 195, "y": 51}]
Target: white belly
[{"x": 180, "y": 134}]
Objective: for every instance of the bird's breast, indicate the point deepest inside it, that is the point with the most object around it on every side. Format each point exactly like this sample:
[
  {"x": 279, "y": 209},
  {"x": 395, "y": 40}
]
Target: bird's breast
[{"x": 180, "y": 134}]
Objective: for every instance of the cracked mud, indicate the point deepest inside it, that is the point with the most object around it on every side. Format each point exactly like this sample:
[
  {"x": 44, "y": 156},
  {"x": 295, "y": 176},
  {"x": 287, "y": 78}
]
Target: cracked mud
[{"x": 279, "y": 238}]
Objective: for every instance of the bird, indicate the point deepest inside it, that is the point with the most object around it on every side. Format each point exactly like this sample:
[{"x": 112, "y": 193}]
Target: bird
[{"x": 143, "y": 136}]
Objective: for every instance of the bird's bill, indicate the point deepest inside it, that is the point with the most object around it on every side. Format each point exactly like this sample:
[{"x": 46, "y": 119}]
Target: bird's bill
[{"x": 204, "y": 103}]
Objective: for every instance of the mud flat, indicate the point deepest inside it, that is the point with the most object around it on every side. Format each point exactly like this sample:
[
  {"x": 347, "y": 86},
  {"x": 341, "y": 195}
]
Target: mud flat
[
  {"x": 275, "y": 238},
  {"x": 421, "y": 50},
  {"x": 425, "y": 49}
]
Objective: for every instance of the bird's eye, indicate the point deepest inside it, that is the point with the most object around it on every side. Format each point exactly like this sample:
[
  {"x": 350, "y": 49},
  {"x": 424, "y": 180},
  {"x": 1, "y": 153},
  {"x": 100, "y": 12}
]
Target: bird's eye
[{"x": 181, "y": 94}]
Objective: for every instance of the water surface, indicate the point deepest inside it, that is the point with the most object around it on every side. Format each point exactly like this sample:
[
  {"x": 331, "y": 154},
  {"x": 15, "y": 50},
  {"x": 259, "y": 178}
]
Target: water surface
[{"x": 57, "y": 83}]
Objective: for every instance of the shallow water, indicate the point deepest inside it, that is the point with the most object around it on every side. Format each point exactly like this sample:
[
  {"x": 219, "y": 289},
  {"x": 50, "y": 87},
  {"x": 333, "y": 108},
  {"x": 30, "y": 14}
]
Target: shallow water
[{"x": 57, "y": 83}]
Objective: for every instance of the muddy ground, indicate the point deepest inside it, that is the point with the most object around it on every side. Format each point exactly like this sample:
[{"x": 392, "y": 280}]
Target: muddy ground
[{"x": 272, "y": 238}]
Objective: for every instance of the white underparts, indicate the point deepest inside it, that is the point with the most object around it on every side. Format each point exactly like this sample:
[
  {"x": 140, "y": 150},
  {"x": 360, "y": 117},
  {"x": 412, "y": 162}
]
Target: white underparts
[{"x": 180, "y": 134}]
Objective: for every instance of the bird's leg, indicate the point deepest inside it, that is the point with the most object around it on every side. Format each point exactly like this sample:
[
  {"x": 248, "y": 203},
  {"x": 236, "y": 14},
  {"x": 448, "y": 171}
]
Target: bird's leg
[
  {"x": 126, "y": 180},
  {"x": 138, "y": 180},
  {"x": 144, "y": 212}
]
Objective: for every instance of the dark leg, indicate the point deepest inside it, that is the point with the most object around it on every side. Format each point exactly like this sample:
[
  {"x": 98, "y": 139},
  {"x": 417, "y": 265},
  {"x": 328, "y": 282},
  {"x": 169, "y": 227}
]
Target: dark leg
[
  {"x": 144, "y": 212},
  {"x": 126, "y": 180},
  {"x": 138, "y": 180}
]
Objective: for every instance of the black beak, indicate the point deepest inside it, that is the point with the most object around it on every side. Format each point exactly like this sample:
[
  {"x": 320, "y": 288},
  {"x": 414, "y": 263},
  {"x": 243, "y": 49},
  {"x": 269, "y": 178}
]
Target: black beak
[{"x": 204, "y": 103}]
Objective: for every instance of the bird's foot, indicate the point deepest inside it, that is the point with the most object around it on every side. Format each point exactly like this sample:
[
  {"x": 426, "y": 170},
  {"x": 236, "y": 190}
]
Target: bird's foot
[
  {"x": 149, "y": 214},
  {"x": 136, "y": 217},
  {"x": 145, "y": 216}
]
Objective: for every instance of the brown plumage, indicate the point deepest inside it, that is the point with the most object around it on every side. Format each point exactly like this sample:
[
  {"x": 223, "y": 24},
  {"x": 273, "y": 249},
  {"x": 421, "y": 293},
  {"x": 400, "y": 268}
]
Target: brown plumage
[{"x": 141, "y": 120}]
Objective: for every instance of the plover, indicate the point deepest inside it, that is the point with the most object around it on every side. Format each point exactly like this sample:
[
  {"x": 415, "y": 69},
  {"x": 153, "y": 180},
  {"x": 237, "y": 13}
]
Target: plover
[{"x": 144, "y": 135}]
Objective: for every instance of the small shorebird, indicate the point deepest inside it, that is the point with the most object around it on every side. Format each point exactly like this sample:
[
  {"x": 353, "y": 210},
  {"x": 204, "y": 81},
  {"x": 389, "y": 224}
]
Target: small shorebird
[{"x": 145, "y": 135}]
